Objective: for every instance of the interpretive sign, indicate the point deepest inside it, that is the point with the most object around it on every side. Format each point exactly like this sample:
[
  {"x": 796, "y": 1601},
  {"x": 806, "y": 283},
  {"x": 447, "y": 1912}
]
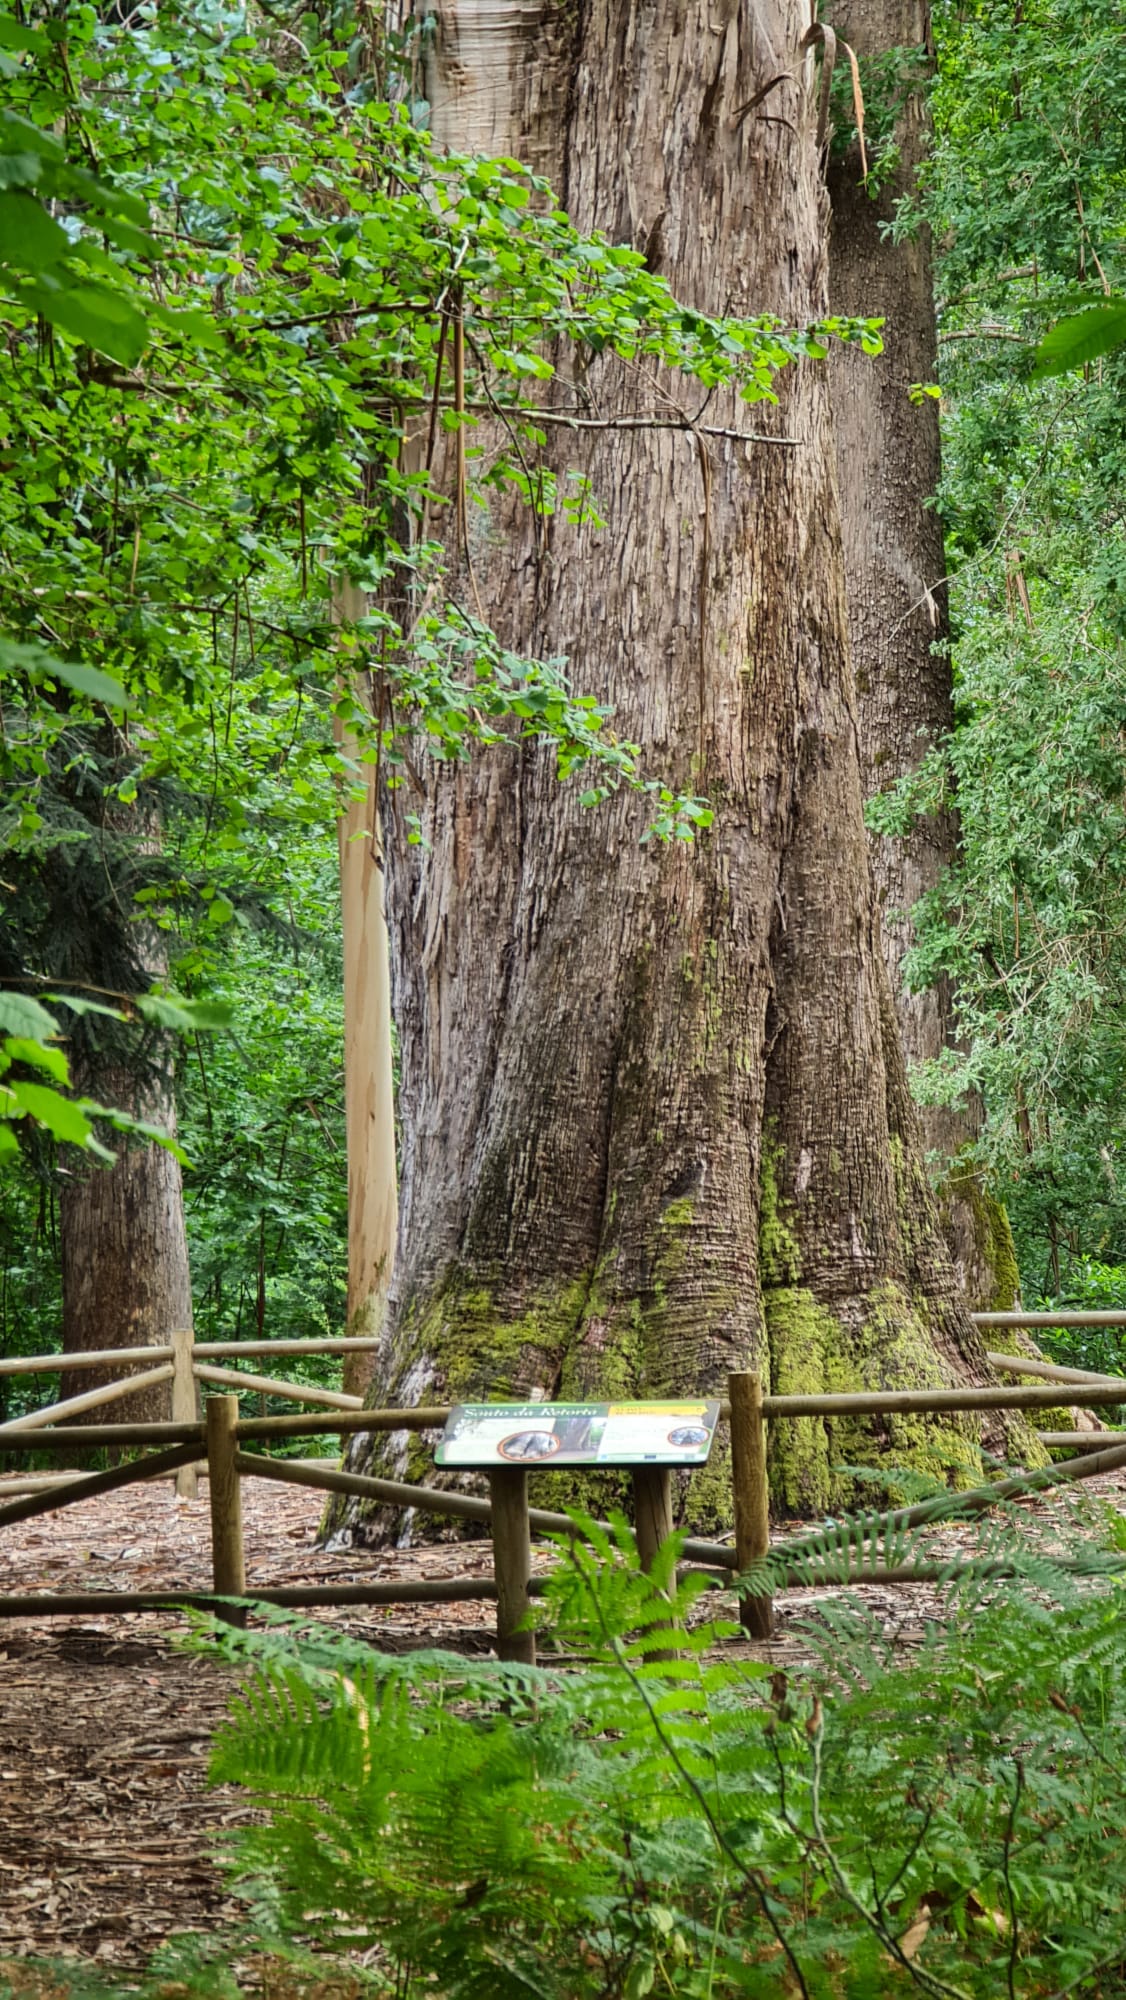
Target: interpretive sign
[{"x": 549, "y": 1434}]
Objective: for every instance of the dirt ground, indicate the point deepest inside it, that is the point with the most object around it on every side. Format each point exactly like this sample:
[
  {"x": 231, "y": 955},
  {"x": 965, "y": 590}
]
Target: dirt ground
[{"x": 107, "y": 1823}]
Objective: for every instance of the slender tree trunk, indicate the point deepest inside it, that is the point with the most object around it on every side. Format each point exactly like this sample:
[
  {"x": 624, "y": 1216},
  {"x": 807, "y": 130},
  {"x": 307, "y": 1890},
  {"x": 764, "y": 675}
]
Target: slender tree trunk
[
  {"x": 369, "y": 1103},
  {"x": 123, "y": 1244},
  {"x": 124, "y": 1251},
  {"x": 655, "y": 1116},
  {"x": 888, "y": 456}
]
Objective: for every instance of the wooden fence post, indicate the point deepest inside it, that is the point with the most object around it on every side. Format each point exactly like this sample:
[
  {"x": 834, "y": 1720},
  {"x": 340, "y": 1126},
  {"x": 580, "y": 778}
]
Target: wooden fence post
[
  {"x": 185, "y": 1403},
  {"x": 752, "y": 1495},
  {"x": 228, "y": 1557},
  {"x": 512, "y": 1562}
]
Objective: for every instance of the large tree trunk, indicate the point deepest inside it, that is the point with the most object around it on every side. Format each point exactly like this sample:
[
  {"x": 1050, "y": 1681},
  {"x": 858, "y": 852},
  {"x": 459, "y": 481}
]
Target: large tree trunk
[
  {"x": 655, "y": 1115},
  {"x": 888, "y": 469},
  {"x": 125, "y": 1253}
]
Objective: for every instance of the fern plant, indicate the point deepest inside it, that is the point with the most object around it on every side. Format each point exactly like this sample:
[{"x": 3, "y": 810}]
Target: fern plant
[{"x": 655, "y": 1813}]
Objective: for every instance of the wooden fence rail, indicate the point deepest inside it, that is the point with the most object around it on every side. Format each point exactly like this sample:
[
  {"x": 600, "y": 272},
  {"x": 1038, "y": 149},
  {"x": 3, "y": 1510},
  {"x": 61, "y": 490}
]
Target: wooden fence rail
[{"x": 223, "y": 1434}]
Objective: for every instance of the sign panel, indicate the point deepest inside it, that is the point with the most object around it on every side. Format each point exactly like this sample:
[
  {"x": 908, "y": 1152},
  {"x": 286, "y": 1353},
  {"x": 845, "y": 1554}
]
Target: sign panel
[{"x": 538, "y": 1435}]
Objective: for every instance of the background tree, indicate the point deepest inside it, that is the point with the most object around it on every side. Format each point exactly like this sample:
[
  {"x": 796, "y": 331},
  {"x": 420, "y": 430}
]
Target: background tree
[
  {"x": 1023, "y": 193},
  {"x": 888, "y": 455}
]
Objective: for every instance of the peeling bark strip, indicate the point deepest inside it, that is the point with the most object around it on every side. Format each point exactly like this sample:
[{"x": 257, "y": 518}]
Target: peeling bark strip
[
  {"x": 888, "y": 466},
  {"x": 656, "y": 1123}
]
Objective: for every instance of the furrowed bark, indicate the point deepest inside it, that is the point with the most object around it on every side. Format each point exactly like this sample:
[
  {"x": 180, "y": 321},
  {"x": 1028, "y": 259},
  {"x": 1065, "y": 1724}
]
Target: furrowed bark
[
  {"x": 888, "y": 455},
  {"x": 656, "y": 1127},
  {"x": 124, "y": 1249}
]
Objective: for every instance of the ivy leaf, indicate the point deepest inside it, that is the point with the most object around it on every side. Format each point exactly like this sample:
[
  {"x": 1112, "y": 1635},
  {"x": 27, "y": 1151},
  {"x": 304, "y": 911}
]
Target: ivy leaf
[{"x": 1081, "y": 338}]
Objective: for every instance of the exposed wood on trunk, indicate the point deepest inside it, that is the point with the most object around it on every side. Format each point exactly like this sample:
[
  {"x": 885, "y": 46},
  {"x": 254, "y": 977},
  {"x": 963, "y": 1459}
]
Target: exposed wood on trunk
[{"x": 369, "y": 1105}]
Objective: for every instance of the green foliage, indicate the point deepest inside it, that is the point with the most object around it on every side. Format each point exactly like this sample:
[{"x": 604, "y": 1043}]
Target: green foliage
[
  {"x": 1024, "y": 195},
  {"x": 240, "y": 285},
  {"x": 933, "y": 1822},
  {"x": 179, "y": 527},
  {"x": 262, "y": 1121},
  {"x": 1081, "y": 338}
]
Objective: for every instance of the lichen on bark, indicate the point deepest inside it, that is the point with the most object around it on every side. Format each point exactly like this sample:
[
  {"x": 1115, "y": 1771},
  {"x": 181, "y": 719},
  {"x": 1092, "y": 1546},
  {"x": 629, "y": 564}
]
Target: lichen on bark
[{"x": 885, "y": 1341}]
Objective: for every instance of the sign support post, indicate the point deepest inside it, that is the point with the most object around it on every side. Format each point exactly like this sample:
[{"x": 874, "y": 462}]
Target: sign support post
[
  {"x": 512, "y": 1563},
  {"x": 652, "y": 1509}
]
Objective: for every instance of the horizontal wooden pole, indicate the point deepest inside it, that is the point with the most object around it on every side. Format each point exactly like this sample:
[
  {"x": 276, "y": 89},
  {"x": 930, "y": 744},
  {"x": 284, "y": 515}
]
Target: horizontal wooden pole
[
  {"x": 83, "y": 1437},
  {"x": 434, "y": 1500},
  {"x": 82, "y": 1603},
  {"x": 232, "y": 1349},
  {"x": 886, "y": 1402},
  {"x": 101, "y": 1357},
  {"x": 1081, "y": 1440},
  {"x": 36, "y": 1482},
  {"x": 347, "y": 1423},
  {"x": 12, "y": 1484},
  {"x": 977, "y": 1500},
  {"x": 270, "y": 1385},
  {"x": 90, "y": 1399},
  {"x": 394, "y": 1492},
  {"x": 340, "y": 1423},
  {"x": 1049, "y": 1319},
  {"x": 92, "y": 1484},
  {"x": 107, "y": 1357},
  {"x": 1048, "y": 1371},
  {"x": 936, "y": 1572}
]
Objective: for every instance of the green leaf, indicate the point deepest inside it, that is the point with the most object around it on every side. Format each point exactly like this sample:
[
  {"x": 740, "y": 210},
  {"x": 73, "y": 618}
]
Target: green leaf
[
  {"x": 60, "y": 1115},
  {"x": 18, "y": 1048},
  {"x": 20, "y": 1015},
  {"x": 171, "y": 1010},
  {"x": 13, "y": 35},
  {"x": 29, "y": 239},
  {"x": 1082, "y": 338},
  {"x": 97, "y": 317},
  {"x": 37, "y": 662},
  {"x": 82, "y": 1007},
  {"x": 88, "y": 680}
]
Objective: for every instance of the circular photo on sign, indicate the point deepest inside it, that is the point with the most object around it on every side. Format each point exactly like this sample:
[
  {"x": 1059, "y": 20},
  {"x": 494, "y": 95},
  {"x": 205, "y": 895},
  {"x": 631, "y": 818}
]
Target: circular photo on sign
[
  {"x": 687, "y": 1434},
  {"x": 523, "y": 1445}
]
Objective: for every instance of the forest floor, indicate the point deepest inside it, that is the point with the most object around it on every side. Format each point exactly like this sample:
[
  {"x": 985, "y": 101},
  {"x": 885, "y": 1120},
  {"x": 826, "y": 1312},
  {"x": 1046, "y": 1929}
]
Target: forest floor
[{"x": 107, "y": 1823}]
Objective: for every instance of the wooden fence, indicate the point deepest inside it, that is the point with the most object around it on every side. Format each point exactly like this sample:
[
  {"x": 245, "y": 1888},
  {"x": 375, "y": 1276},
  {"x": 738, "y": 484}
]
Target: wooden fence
[{"x": 218, "y": 1444}]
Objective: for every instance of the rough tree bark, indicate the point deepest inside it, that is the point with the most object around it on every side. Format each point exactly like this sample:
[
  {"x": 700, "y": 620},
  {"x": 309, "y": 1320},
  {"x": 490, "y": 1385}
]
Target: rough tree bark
[
  {"x": 123, "y": 1244},
  {"x": 124, "y": 1250},
  {"x": 655, "y": 1114},
  {"x": 888, "y": 456}
]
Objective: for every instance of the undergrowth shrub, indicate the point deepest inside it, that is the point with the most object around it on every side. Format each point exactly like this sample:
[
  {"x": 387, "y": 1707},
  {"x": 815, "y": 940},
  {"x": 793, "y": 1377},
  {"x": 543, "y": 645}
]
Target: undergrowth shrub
[{"x": 952, "y": 1822}]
